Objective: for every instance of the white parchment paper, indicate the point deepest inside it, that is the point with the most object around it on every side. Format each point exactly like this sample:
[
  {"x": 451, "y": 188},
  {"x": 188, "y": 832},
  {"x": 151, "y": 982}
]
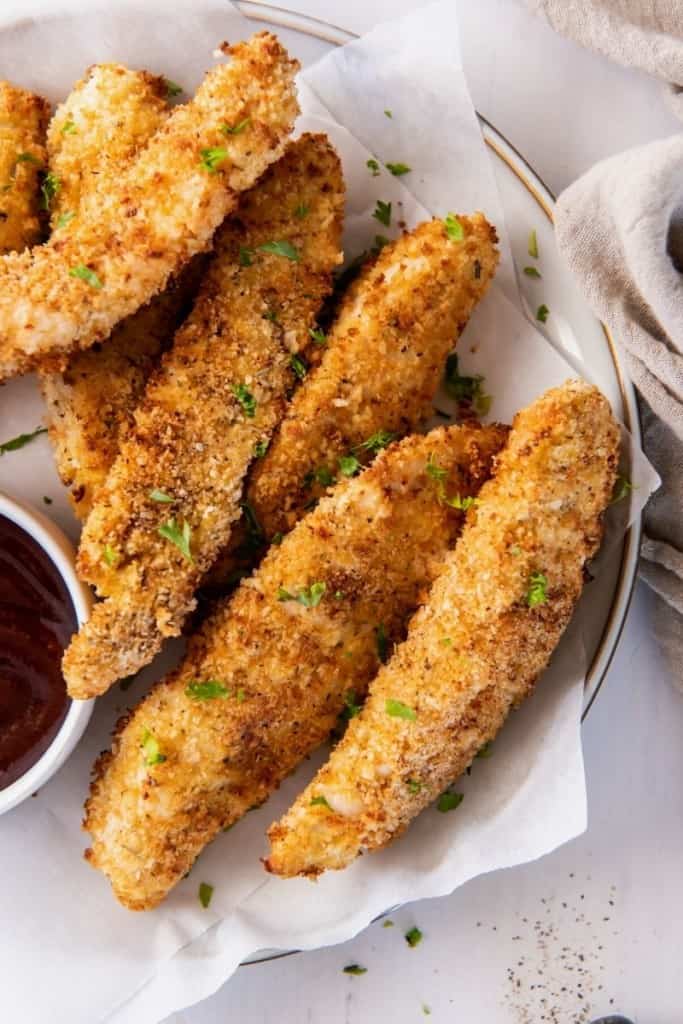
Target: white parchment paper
[{"x": 68, "y": 953}]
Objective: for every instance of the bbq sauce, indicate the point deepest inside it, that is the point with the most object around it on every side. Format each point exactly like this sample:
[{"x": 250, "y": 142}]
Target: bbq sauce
[{"x": 37, "y": 620}]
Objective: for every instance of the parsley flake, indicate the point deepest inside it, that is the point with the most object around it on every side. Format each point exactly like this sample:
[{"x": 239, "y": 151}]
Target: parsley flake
[
  {"x": 373, "y": 166},
  {"x": 150, "y": 748},
  {"x": 260, "y": 449},
  {"x": 532, "y": 272},
  {"x": 271, "y": 315},
  {"x": 212, "y": 158},
  {"x": 208, "y": 690},
  {"x": 320, "y": 801},
  {"x": 413, "y": 937},
  {"x": 398, "y": 169},
  {"x": 435, "y": 471},
  {"x": 542, "y": 313},
  {"x": 622, "y": 487},
  {"x": 277, "y": 538},
  {"x": 236, "y": 129},
  {"x": 68, "y": 128},
  {"x": 485, "y": 751},
  {"x": 537, "y": 592},
  {"x": 388, "y": 923},
  {"x": 254, "y": 528},
  {"x": 355, "y": 969},
  {"x": 245, "y": 255},
  {"x": 27, "y": 158},
  {"x": 454, "y": 228},
  {"x": 86, "y": 274},
  {"x": 161, "y": 497},
  {"x": 285, "y": 249},
  {"x": 20, "y": 441},
  {"x": 318, "y": 336},
  {"x": 449, "y": 801},
  {"x": 351, "y": 708},
  {"x": 205, "y": 894},
  {"x": 298, "y": 366},
  {"x": 466, "y": 389},
  {"x": 65, "y": 218},
  {"x": 246, "y": 399},
  {"x": 462, "y": 503},
  {"x": 49, "y": 189},
  {"x": 172, "y": 88},
  {"x": 388, "y": 113},
  {"x": 349, "y": 465},
  {"x": 382, "y": 643},
  {"x": 532, "y": 246},
  {"x": 383, "y": 213},
  {"x": 376, "y": 442},
  {"x": 397, "y": 709},
  {"x": 178, "y": 535},
  {"x": 302, "y": 210},
  {"x": 110, "y": 555},
  {"x": 414, "y": 786},
  {"x": 309, "y": 597}
]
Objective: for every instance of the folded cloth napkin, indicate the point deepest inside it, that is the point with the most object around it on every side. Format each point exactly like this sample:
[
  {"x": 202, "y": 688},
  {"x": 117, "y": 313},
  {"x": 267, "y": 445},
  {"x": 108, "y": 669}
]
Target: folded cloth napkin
[{"x": 620, "y": 227}]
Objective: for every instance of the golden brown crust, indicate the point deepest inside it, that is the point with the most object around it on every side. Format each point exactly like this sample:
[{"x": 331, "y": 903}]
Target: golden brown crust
[
  {"x": 161, "y": 211},
  {"x": 477, "y": 647},
  {"x": 23, "y": 122},
  {"x": 194, "y": 437},
  {"x": 376, "y": 542}
]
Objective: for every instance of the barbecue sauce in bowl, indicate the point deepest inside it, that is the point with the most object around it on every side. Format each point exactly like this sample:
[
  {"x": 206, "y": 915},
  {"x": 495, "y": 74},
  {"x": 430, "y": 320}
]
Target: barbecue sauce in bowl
[{"x": 37, "y": 620}]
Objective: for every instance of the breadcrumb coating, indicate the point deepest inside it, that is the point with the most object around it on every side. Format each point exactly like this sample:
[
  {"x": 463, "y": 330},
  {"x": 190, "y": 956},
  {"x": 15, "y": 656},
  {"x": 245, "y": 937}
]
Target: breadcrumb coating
[
  {"x": 163, "y": 209},
  {"x": 287, "y": 670},
  {"x": 219, "y": 393},
  {"x": 23, "y": 122},
  {"x": 379, "y": 371},
  {"x": 474, "y": 651}
]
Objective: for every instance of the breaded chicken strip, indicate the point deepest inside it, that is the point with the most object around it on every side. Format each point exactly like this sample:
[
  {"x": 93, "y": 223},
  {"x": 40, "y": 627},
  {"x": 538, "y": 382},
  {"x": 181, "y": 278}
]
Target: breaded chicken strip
[
  {"x": 171, "y": 497},
  {"x": 379, "y": 371},
  {"x": 23, "y": 122},
  {"x": 164, "y": 208},
  {"x": 266, "y": 678},
  {"x": 109, "y": 115},
  {"x": 475, "y": 650}
]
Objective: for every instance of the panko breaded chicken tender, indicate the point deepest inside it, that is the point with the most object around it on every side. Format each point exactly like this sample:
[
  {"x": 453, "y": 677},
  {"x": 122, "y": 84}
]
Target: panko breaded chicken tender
[
  {"x": 379, "y": 371},
  {"x": 164, "y": 208},
  {"x": 266, "y": 677},
  {"x": 167, "y": 506},
  {"x": 106, "y": 119},
  {"x": 23, "y": 122},
  {"x": 474, "y": 651}
]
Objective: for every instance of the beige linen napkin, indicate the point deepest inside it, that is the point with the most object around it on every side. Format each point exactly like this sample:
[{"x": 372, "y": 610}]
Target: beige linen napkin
[{"x": 620, "y": 228}]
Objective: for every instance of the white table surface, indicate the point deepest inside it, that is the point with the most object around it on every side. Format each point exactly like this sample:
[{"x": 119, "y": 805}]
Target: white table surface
[{"x": 595, "y": 926}]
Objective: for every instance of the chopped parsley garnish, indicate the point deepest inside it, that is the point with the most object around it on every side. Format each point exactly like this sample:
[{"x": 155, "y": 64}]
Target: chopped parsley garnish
[
  {"x": 532, "y": 247},
  {"x": 387, "y": 113},
  {"x": 65, "y": 218},
  {"x": 110, "y": 555},
  {"x": 302, "y": 210},
  {"x": 373, "y": 166},
  {"x": 172, "y": 88},
  {"x": 446, "y": 641},
  {"x": 285, "y": 249},
  {"x": 537, "y": 592},
  {"x": 253, "y": 526},
  {"x": 318, "y": 336},
  {"x": 515, "y": 550},
  {"x": 622, "y": 487},
  {"x": 376, "y": 442},
  {"x": 435, "y": 471},
  {"x": 449, "y": 801},
  {"x": 413, "y": 937},
  {"x": 383, "y": 213},
  {"x": 270, "y": 315},
  {"x": 212, "y": 158},
  {"x": 260, "y": 449},
  {"x": 20, "y": 441},
  {"x": 246, "y": 399},
  {"x": 425, "y": 1009},
  {"x": 299, "y": 366},
  {"x": 542, "y": 313},
  {"x": 68, "y": 128},
  {"x": 466, "y": 389},
  {"x": 46, "y": 500},
  {"x": 27, "y": 158},
  {"x": 86, "y": 274},
  {"x": 178, "y": 535},
  {"x": 380, "y": 242},
  {"x": 355, "y": 969},
  {"x": 277, "y": 538},
  {"x": 532, "y": 272},
  {"x": 240, "y": 695},
  {"x": 462, "y": 503},
  {"x": 454, "y": 228},
  {"x": 309, "y": 597},
  {"x": 322, "y": 475},
  {"x": 208, "y": 690},
  {"x": 382, "y": 643},
  {"x": 245, "y": 255},
  {"x": 388, "y": 923},
  {"x": 351, "y": 708},
  {"x": 320, "y": 801},
  {"x": 398, "y": 169},
  {"x": 236, "y": 129},
  {"x": 205, "y": 894},
  {"x": 397, "y": 709},
  {"x": 49, "y": 189},
  {"x": 485, "y": 751},
  {"x": 413, "y": 786},
  {"x": 349, "y": 465},
  {"x": 150, "y": 748},
  {"x": 161, "y": 497}
]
